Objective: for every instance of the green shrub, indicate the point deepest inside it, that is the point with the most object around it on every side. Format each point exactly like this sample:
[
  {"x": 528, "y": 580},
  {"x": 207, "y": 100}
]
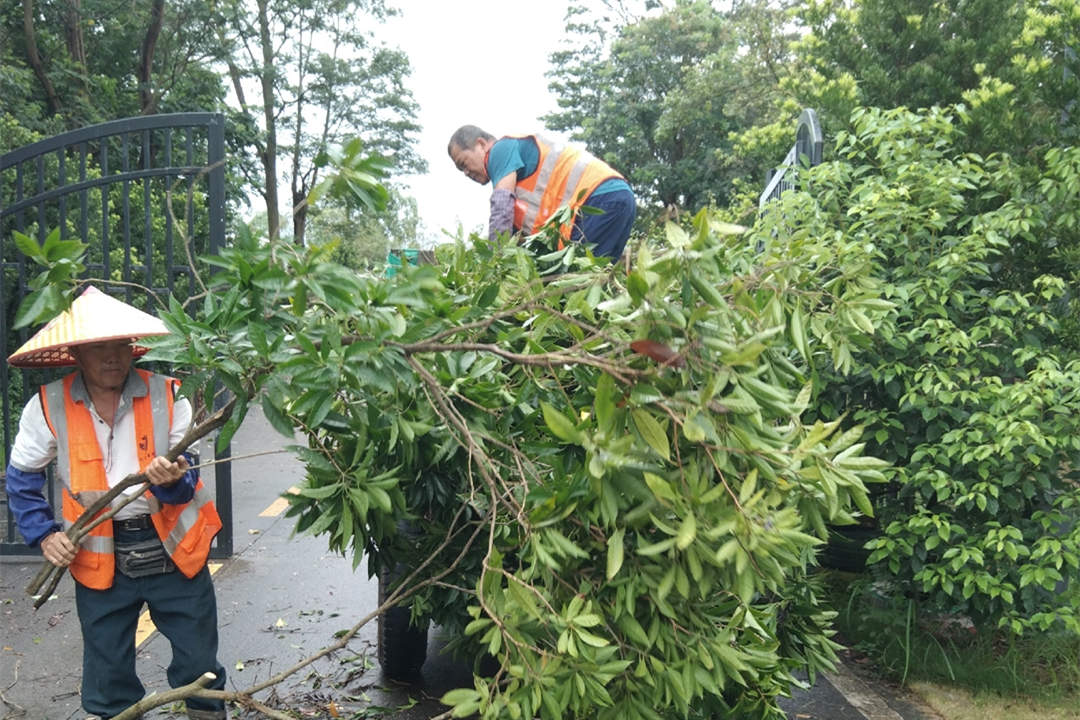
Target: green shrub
[{"x": 971, "y": 389}]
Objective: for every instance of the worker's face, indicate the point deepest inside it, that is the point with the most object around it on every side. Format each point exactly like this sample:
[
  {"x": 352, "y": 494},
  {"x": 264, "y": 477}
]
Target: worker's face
[
  {"x": 104, "y": 365},
  {"x": 471, "y": 160}
]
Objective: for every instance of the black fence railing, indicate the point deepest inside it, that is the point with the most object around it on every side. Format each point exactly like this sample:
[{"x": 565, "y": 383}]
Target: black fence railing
[
  {"x": 147, "y": 195},
  {"x": 805, "y": 152}
]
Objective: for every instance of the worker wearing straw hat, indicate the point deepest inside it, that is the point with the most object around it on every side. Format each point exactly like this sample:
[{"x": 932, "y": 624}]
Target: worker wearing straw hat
[{"x": 100, "y": 424}]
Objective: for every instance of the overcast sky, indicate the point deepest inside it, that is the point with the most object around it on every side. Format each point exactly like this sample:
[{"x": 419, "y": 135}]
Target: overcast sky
[{"x": 479, "y": 62}]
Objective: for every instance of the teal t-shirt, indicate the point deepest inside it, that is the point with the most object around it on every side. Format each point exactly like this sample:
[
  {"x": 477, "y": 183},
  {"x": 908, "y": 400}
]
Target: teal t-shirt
[{"x": 521, "y": 156}]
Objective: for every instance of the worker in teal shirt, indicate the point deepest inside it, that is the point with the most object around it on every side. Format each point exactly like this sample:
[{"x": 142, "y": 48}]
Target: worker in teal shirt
[{"x": 533, "y": 177}]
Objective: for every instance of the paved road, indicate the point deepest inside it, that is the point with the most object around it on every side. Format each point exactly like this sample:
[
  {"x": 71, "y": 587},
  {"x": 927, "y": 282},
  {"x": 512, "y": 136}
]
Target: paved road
[{"x": 282, "y": 599}]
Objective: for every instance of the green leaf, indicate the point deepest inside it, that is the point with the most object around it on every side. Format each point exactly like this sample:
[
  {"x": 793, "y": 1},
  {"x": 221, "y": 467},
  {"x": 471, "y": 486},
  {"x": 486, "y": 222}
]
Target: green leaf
[
  {"x": 561, "y": 426},
  {"x": 39, "y": 306},
  {"x": 589, "y": 639},
  {"x": 660, "y": 487},
  {"x": 861, "y": 321},
  {"x": 604, "y": 404},
  {"x": 226, "y": 433},
  {"x": 651, "y": 431},
  {"x": 692, "y": 430},
  {"x": 615, "y": 553},
  {"x": 656, "y": 548},
  {"x": 276, "y": 418},
  {"x": 749, "y": 485},
  {"x": 727, "y": 228},
  {"x": 629, "y": 625},
  {"x": 676, "y": 236},
  {"x": 465, "y": 701},
  {"x": 318, "y": 493},
  {"x": 524, "y": 597},
  {"x": 29, "y": 247},
  {"x": 587, "y": 620},
  {"x": 797, "y": 328},
  {"x": 637, "y": 285},
  {"x": 687, "y": 532},
  {"x": 707, "y": 290}
]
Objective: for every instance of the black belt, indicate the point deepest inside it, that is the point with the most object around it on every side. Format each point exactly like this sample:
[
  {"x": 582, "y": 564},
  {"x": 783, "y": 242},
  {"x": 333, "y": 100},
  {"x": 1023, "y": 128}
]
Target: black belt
[{"x": 131, "y": 524}]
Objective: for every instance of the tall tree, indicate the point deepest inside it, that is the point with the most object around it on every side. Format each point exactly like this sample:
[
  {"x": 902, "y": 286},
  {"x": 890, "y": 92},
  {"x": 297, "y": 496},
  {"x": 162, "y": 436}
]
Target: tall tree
[
  {"x": 1011, "y": 63},
  {"x": 91, "y": 63},
  {"x": 909, "y": 52},
  {"x": 319, "y": 80},
  {"x": 659, "y": 94}
]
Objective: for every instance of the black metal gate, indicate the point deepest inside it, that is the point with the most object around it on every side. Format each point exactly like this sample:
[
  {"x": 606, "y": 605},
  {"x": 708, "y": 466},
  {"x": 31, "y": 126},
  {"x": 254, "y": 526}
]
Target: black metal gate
[{"x": 148, "y": 195}]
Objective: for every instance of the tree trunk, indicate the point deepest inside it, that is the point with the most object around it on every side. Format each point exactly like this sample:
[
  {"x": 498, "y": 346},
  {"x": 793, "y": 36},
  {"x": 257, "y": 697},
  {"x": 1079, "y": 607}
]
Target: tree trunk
[
  {"x": 35, "y": 60},
  {"x": 74, "y": 34},
  {"x": 300, "y": 208},
  {"x": 147, "y": 99},
  {"x": 269, "y": 156},
  {"x": 238, "y": 87}
]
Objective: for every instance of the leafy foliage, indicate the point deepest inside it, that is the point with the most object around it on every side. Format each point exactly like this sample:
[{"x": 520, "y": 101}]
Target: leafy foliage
[
  {"x": 968, "y": 388},
  {"x": 62, "y": 260},
  {"x": 1013, "y": 66},
  {"x": 661, "y": 102},
  {"x": 913, "y": 53},
  {"x": 604, "y": 478},
  {"x": 90, "y": 55},
  {"x": 607, "y": 472}
]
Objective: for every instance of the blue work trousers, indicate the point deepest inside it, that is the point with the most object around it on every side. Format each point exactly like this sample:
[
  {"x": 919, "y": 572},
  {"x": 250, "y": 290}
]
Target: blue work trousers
[
  {"x": 608, "y": 230},
  {"x": 183, "y": 610}
]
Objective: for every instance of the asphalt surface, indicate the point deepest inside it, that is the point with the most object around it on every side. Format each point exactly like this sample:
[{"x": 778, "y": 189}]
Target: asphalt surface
[{"x": 282, "y": 599}]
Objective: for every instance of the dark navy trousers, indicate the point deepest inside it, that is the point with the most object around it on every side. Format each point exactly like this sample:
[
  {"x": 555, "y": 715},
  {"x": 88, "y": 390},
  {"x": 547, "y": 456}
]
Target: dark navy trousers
[
  {"x": 183, "y": 610},
  {"x": 608, "y": 230}
]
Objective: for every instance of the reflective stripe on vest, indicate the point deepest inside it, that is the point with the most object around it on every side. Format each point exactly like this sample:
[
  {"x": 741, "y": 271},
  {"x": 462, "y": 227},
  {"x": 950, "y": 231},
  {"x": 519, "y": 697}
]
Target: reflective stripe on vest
[
  {"x": 185, "y": 530},
  {"x": 564, "y": 175},
  {"x": 176, "y": 522},
  {"x": 94, "y": 563}
]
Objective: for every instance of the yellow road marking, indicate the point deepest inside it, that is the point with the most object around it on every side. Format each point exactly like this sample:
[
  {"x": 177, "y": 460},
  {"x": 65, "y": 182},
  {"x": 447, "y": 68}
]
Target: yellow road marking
[
  {"x": 146, "y": 627},
  {"x": 278, "y": 506}
]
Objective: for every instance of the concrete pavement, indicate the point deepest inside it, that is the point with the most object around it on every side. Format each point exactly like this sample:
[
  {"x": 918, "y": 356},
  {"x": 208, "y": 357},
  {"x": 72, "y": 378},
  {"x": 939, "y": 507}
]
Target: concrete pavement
[{"x": 281, "y": 599}]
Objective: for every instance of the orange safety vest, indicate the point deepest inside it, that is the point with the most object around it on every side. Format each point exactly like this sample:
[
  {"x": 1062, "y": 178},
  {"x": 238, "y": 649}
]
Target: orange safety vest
[
  {"x": 564, "y": 175},
  {"x": 185, "y": 530}
]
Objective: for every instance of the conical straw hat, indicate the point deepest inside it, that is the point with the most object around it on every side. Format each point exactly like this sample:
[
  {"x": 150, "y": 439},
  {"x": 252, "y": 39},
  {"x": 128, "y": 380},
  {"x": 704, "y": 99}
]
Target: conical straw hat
[{"x": 93, "y": 317}]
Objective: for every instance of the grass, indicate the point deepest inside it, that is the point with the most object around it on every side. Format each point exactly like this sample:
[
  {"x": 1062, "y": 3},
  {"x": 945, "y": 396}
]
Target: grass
[
  {"x": 954, "y": 703},
  {"x": 961, "y": 671}
]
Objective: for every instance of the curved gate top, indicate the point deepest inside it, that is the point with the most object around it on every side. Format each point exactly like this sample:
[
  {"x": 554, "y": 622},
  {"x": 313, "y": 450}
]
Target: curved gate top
[
  {"x": 147, "y": 195},
  {"x": 805, "y": 152}
]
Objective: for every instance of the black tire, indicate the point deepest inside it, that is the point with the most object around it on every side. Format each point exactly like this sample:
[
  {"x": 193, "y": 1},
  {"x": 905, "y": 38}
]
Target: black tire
[{"x": 402, "y": 647}]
